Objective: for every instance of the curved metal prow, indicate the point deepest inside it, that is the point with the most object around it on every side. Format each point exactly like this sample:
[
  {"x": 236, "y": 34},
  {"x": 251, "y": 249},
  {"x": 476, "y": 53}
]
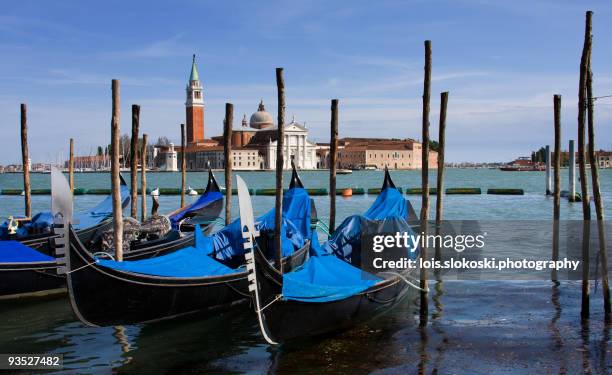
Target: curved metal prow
[
  {"x": 212, "y": 184},
  {"x": 249, "y": 234},
  {"x": 388, "y": 182},
  {"x": 295, "y": 178}
]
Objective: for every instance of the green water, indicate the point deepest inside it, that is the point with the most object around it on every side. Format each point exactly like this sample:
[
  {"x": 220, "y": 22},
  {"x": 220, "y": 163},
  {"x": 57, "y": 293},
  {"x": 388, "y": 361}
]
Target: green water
[{"x": 476, "y": 327}]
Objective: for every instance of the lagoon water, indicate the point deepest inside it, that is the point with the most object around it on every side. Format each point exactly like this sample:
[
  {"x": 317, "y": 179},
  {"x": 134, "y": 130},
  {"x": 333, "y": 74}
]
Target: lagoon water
[{"x": 475, "y": 326}]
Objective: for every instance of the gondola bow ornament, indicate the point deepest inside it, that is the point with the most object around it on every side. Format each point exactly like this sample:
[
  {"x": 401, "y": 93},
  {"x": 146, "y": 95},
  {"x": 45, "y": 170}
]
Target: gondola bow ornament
[
  {"x": 249, "y": 233},
  {"x": 61, "y": 208}
]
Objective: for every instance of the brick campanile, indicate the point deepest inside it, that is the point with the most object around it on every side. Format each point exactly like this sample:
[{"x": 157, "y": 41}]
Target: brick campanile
[{"x": 194, "y": 106}]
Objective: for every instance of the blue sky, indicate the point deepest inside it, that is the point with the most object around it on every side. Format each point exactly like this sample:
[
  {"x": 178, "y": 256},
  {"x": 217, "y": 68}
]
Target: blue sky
[{"x": 502, "y": 61}]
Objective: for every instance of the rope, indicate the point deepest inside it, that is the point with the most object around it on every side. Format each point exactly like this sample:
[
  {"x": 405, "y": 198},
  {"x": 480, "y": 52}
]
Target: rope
[
  {"x": 278, "y": 297},
  {"x": 80, "y": 268},
  {"x": 407, "y": 281}
]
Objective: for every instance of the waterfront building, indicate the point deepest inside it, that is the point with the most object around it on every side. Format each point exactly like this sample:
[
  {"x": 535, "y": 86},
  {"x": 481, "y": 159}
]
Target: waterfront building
[
  {"x": 378, "y": 153},
  {"x": 194, "y": 106},
  {"x": 167, "y": 158}
]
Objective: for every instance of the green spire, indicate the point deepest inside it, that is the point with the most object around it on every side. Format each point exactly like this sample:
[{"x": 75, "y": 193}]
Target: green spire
[{"x": 194, "y": 71}]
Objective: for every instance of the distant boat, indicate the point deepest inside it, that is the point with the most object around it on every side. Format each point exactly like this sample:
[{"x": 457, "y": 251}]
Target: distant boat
[
  {"x": 514, "y": 168},
  {"x": 344, "y": 171},
  {"x": 191, "y": 191}
]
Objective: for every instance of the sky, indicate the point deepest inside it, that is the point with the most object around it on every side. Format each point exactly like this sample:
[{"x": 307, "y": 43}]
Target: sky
[{"x": 501, "y": 61}]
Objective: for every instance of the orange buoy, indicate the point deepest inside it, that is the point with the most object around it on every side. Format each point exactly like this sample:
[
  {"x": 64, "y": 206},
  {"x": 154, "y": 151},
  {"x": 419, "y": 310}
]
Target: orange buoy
[{"x": 347, "y": 192}]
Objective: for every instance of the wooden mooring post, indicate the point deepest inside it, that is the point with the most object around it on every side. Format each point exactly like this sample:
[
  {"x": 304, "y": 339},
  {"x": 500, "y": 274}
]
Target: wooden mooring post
[
  {"x": 25, "y": 161},
  {"x": 586, "y": 210},
  {"x": 599, "y": 209},
  {"x": 134, "y": 159},
  {"x": 143, "y": 177},
  {"x": 71, "y": 166},
  {"x": 424, "y": 306},
  {"x": 441, "y": 146},
  {"x": 572, "y": 172},
  {"x": 115, "y": 171},
  {"x": 333, "y": 155},
  {"x": 548, "y": 174},
  {"x": 183, "y": 166},
  {"x": 227, "y": 153},
  {"x": 278, "y": 215},
  {"x": 557, "y": 182}
]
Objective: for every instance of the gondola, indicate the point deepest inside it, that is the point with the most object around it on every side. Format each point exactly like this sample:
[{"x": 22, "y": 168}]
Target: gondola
[
  {"x": 202, "y": 211},
  {"x": 205, "y": 277},
  {"x": 27, "y": 265},
  {"x": 328, "y": 293},
  {"x": 29, "y": 269}
]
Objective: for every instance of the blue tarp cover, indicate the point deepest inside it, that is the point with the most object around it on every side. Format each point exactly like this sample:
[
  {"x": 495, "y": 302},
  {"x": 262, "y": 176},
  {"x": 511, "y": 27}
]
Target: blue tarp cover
[
  {"x": 325, "y": 278},
  {"x": 390, "y": 202},
  {"x": 16, "y": 252},
  {"x": 44, "y": 220},
  {"x": 204, "y": 258},
  {"x": 191, "y": 261},
  {"x": 294, "y": 231},
  {"x": 203, "y": 201}
]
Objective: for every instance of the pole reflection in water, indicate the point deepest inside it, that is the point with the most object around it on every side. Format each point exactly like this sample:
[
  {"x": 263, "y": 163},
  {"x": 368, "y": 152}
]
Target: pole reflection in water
[
  {"x": 556, "y": 333},
  {"x": 124, "y": 342}
]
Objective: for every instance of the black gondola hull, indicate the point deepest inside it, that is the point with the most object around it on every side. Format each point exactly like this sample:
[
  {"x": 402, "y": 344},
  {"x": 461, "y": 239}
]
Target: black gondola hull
[
  {"x": 27, "y": 280},
  {"x": 101, "y": 296},
  {"x": 286, "y": 320}
]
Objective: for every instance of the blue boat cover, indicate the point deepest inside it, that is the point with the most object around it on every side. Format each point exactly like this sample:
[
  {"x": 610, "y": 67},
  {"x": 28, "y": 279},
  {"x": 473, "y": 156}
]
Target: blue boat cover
[
  {"x": 16, "y": 252},
  {"x": 294, "y": 231},
  {"x": 325, "y": 278},
  {"x": 389, "y": 203},
  {"x": 203, "y": 201},
  {"x": 192, "y": 261},
  {"x": 43, "y": 221},
  {"x": 327, "y": 275},
  {"x": 206, "y": 257}
]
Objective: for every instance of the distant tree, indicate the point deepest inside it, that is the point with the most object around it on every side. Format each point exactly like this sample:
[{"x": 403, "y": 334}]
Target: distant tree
[
  {"x": 434, "y": 145},
  {"x": 162, "y": 141},
  {"x": 100, "y": 151}
]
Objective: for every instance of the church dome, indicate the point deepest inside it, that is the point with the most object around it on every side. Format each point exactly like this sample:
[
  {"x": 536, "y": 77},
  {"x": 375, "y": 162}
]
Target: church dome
[{"x": 261, "y": 119}]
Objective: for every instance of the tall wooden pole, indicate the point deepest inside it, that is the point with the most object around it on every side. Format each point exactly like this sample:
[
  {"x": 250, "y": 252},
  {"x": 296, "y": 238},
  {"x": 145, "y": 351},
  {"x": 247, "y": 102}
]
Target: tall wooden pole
[
  {"x": 25, "y": 160},
  {"x": 548, "y": 175},
  {"x": 599, "y": 209},
  {"x": 143, "y": 177},
  {"x": 572, "y": 171},
  {"x": 441, "y": 146},
  {"x": 425, "y": 178},
  {"x": 227, "y": 152},
  {"x": 557, "y": 159},
  {"x": 333, "y": 154},
  {"x": 183, "y": 166},
  {"x": 557, "y": 182},
  {"x": 134, "y": 158},
  {"x": 280, "y": 162},
  {"x": 115, "y": 170},
  {"x": 586, "y": 211},
  {"x": 71, "y": 166}
]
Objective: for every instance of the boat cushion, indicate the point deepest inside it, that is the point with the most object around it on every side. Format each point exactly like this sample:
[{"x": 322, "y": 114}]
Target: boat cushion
[
  {"x": 325, "y": 278},
  {"x": 16, "y": 252}
]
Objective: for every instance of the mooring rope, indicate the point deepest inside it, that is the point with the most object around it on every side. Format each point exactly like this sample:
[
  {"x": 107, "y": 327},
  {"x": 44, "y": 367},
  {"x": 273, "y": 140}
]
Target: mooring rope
[
  {"x": 407, "y": 281},
  {"x": 278, "y": 297},
  {"x": 80, "y": 268}
]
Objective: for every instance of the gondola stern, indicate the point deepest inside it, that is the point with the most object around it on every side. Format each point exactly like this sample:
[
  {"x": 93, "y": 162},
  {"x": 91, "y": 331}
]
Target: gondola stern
[
  {"x": 295, "y": 178},
  {"x": 212, "y": 185},
  {"x": 388, "y": 182}
]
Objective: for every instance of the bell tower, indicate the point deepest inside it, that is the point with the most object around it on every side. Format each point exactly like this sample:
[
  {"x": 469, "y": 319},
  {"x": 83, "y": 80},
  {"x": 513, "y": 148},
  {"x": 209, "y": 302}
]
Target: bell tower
[{"x": 194, "y": 106}]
